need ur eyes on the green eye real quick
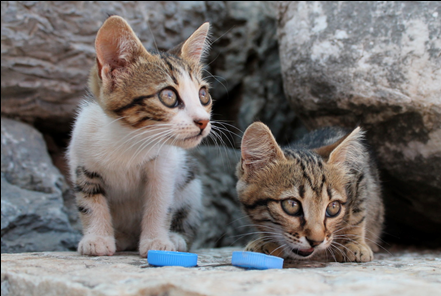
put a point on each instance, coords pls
(169, 98)
(204, 96)
(333, 209)
(292, 207)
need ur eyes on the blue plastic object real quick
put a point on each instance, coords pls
(168, 258)
(256, 260)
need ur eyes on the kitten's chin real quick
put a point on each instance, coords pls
(189, 142)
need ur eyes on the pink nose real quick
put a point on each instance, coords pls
(202, 123)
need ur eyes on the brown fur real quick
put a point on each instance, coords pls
(340, 172)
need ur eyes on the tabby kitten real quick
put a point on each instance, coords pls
(135, 185)
(319, 197)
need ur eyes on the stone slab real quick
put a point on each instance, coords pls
(68, 273)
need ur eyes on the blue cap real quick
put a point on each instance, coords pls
(168, 258)
(256, 260)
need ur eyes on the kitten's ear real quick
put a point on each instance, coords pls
(259, 148)
(116, 45)
(194, 48)
(348, 149)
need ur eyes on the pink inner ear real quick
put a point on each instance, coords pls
(193, 48)
(108, 50)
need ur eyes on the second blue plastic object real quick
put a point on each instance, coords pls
(256, 260)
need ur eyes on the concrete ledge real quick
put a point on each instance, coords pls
(68, 273)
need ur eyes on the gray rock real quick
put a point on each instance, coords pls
(246, 66)
(223, 224)
(403, 273)
(48, 49)
(376, 64)
(33, 216)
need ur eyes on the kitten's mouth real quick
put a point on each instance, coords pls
(303, 252)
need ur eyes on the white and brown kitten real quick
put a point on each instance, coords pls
(321, 196)
(136, 187)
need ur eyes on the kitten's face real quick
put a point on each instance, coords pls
(296, 198)
(162, 95)
(299, 204)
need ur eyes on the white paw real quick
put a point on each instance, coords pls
(178, 241)
(94, 245)
(160, 244)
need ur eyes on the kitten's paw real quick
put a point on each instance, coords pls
(268, 248)
(354, 252)
(155, 244)
(179, 241)
(94, 245)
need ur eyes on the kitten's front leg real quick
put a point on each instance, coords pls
(159, 197)
(98, 239)
(355, 248)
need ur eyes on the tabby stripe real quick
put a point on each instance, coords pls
(359, 222)
(360, 179)
(90, 175)
(259, 203)
(328, 189)
(178, 220)
(302, 221)
(145, 118)
(90, 189)
(134, 102)
(356, 210)
(302, 191)
(172, 69)
(267, 220)
(83, 210)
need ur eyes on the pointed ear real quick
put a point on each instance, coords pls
(259, 148)
(349, 149)
(116, 45)
(194, 48)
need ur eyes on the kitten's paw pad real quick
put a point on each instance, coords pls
(155, 244)
(179, 241)
(355, 252)
(94, 245)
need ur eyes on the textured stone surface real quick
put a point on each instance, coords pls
(67, 273)
(223, 223)
(48, 49)
(376, 64)
(33, 216)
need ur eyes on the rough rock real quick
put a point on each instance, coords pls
(223, 223)
(376, 64)
(245, 64)
(48, 49)
(67, 273)
(33, 216)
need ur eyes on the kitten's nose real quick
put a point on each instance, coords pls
(313, 243)
(202, 123)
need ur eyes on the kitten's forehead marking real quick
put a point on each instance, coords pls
(292, 192)
(189, 93)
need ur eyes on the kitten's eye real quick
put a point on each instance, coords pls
(169, 98)
(333, 209)
(292, 207)
(204, 96)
